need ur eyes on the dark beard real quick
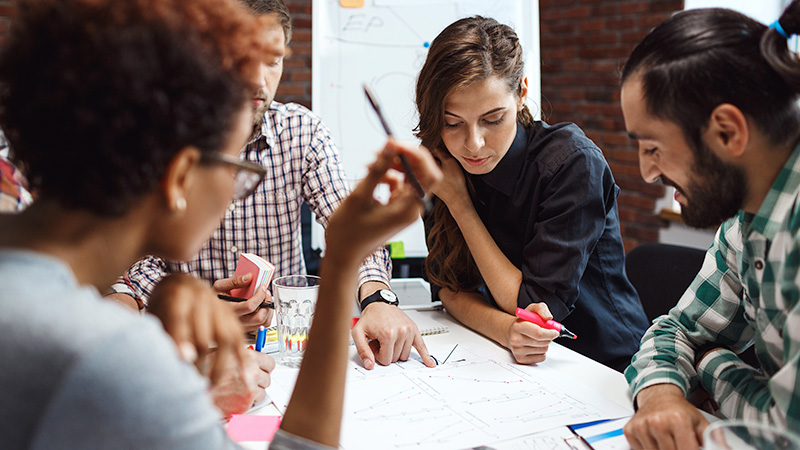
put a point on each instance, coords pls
(720, 194)
(258, 112)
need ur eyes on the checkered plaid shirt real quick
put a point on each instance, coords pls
(746, 293)
(302, 165)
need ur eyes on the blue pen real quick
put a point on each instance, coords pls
(261, 338)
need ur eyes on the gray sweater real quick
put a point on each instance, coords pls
(77, 371)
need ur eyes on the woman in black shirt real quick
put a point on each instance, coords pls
(527, 214)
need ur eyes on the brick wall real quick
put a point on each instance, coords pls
(584, 45)
(296, 82)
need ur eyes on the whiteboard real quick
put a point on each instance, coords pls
(384, 43)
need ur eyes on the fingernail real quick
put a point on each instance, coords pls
(247, 276)
(264, 287)
(367, 363)
(187, 352)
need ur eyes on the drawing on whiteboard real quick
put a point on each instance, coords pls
(384, 43)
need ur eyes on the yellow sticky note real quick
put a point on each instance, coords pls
(351, 3)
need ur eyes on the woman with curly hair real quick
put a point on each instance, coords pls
(130, 117)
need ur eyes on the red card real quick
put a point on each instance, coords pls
(261, 269)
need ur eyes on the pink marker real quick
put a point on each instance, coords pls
(532, 317)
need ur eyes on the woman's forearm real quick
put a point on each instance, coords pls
(501, 276)
(472, 310)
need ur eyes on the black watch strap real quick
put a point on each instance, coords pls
(383, 295)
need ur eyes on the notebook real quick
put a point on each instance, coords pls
(261, 269)
(427, 325)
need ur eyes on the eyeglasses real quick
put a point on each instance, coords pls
(248, 174)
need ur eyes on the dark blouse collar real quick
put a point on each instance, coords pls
(506, 172)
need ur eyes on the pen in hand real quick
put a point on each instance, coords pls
(231, 298)
(532, 317)
(423, 197)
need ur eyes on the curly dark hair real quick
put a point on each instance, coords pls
(97, 96)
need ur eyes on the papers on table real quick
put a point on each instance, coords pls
(467, 402)
(560, 438)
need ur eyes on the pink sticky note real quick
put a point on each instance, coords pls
(245, 427)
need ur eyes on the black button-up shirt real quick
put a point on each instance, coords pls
(550, 205)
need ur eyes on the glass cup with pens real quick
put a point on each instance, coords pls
(295, 299)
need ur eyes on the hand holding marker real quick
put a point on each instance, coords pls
(532, 317)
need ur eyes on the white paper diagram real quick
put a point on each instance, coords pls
(466, 402)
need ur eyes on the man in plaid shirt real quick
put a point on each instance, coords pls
(719, 120)
(302, 165)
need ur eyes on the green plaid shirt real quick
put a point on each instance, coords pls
(746, 293)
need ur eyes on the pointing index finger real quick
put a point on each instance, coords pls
(422, 349)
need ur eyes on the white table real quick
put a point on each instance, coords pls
(595, 376)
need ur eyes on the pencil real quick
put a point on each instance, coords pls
(231, 298)
(423, 198)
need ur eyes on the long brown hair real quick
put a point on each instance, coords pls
(468, 50)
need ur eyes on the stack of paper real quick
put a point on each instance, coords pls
(261, 269)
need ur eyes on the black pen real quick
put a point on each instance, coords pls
(423, 197)
(451, 352)
(231, 298)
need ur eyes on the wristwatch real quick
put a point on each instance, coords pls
(383, 295)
